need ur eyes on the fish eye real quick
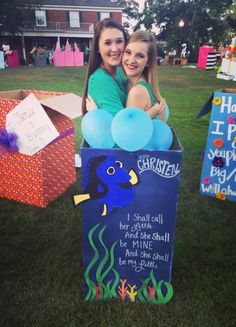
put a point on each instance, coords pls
(111, 170)
(119, 164)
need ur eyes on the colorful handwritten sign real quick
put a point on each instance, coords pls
(29, 121)
(219, 166)
(128, 248)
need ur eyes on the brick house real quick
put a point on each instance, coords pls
(59, 20)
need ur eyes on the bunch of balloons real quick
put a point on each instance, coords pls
(131, 129)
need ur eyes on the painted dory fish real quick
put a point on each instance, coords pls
(109, 183)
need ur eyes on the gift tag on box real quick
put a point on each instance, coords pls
(34, 129)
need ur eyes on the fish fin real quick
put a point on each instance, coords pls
(134, 178)
(78, 198)
(104, 213)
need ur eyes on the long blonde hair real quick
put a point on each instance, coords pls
(150, 71)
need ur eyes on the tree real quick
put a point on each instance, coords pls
(14, 12)
(130, 7)
(205, 21)
(131, 10)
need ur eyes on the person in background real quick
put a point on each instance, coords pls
(221, 49)
(32, 55)
(50, 57)
(41, 50)
(227, 52)
(47, 54)
(183, 51)
(5, 49)
(86, 54)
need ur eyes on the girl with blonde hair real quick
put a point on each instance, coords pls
(140, 66)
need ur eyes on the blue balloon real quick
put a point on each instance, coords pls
(131, 129)
(162, 136)
(96, 129)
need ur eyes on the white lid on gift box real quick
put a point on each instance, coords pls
(69, 104)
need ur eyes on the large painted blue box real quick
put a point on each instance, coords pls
(218, 177)
(129, 219)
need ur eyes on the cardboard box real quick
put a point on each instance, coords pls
(129, 230)
(184, 61)
(41, 178)
(218, 177)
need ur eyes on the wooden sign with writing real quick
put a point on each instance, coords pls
(219, 166)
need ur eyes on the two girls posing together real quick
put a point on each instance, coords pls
(113, 88)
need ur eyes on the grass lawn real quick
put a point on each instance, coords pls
(41, 249)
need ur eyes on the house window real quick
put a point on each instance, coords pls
(40, 17)
(104, 15)
(74, 19)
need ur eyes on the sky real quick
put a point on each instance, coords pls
(132, 21)
(141, 3)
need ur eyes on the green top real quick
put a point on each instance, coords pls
(150, 91)
(108, 92)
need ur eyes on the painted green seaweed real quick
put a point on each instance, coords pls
(142, 292)
(91, 289)
(151, 290)
(107, 290)
(159, 297)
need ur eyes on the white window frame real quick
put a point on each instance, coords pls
(74, 19)
(40, 18)
(104, 15)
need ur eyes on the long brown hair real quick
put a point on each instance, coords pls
(95, 59)
(149, 72)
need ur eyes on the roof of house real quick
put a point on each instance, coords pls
(86, 3)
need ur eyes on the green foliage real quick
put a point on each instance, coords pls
(130, 7)
(205, 21)
(13, 13)
(231, 17)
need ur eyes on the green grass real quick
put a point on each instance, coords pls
(41, 249)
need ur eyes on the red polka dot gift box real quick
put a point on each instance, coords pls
(40, 178)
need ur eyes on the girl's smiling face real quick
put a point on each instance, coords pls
(111, 47)
(135, 59)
